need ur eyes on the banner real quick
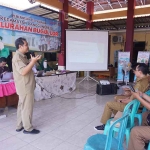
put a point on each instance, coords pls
(122, 58)
(143, 57)
(41, 33)
(116, 57)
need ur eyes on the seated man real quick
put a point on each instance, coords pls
(142, 84)
(141, 134)
(3, 67)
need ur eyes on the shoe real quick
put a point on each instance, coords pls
(18, 130)
(34, 131)
(101, 127)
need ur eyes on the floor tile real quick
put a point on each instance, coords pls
(28, 147)
(29, 137)
(67, 146)
(4, 135)
(12, 143)
(79, 139)
(48, 126)
(11, 129)
(65, 124)
(62, 132)
(6, 122)
(47, 142)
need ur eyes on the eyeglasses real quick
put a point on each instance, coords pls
(135, 70)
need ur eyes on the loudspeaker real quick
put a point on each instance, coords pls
(106, 89)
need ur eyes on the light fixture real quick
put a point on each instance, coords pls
(32, 1)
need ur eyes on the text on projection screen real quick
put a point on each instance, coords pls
(77, 56)
(85, 52)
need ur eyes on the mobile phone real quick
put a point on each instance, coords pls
(132, 88)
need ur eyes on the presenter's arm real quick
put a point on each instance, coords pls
(28, 68)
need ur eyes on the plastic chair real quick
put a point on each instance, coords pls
(148, 146)
(108, 142)
(133, 105)
(139, 115)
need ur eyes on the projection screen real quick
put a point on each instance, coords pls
(86, 50)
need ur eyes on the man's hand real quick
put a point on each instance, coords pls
(122, 100)
(119, 100)
(126, 89)
(137, 95)
(35, 59)
(29, 67)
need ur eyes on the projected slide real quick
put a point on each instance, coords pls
(85, 52)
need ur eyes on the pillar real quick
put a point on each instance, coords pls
(130, 28)
(63, 18)
(90, 11)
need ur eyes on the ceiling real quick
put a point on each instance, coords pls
(74, 23)
(42, 11)
(102, 5)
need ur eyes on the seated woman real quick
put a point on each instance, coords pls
(141, 134)
(3, 67)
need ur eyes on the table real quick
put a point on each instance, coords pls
(8, 96)
(50, 86)
(110, 73)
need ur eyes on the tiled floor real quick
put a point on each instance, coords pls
(65, 124)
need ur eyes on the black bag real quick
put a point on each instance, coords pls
(106, 89)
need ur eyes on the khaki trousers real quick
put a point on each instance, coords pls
(112, 107)
(25, 111)
(140, 135)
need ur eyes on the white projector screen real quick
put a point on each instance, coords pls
(86, 50)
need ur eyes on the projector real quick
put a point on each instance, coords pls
(104, 82)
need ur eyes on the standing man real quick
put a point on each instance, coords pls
(141, 134)
(25, 85)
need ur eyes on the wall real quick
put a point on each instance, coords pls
(138, 36)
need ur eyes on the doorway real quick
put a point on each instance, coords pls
(137, 46)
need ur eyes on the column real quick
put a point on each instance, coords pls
(63, 18)
(130, 28)
(90, 11)
(89, 23)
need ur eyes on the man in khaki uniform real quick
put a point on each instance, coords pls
(25, 85)
(142, 84)
(141, 134)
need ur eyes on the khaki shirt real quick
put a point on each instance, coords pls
(141, 84)
(24, 84)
